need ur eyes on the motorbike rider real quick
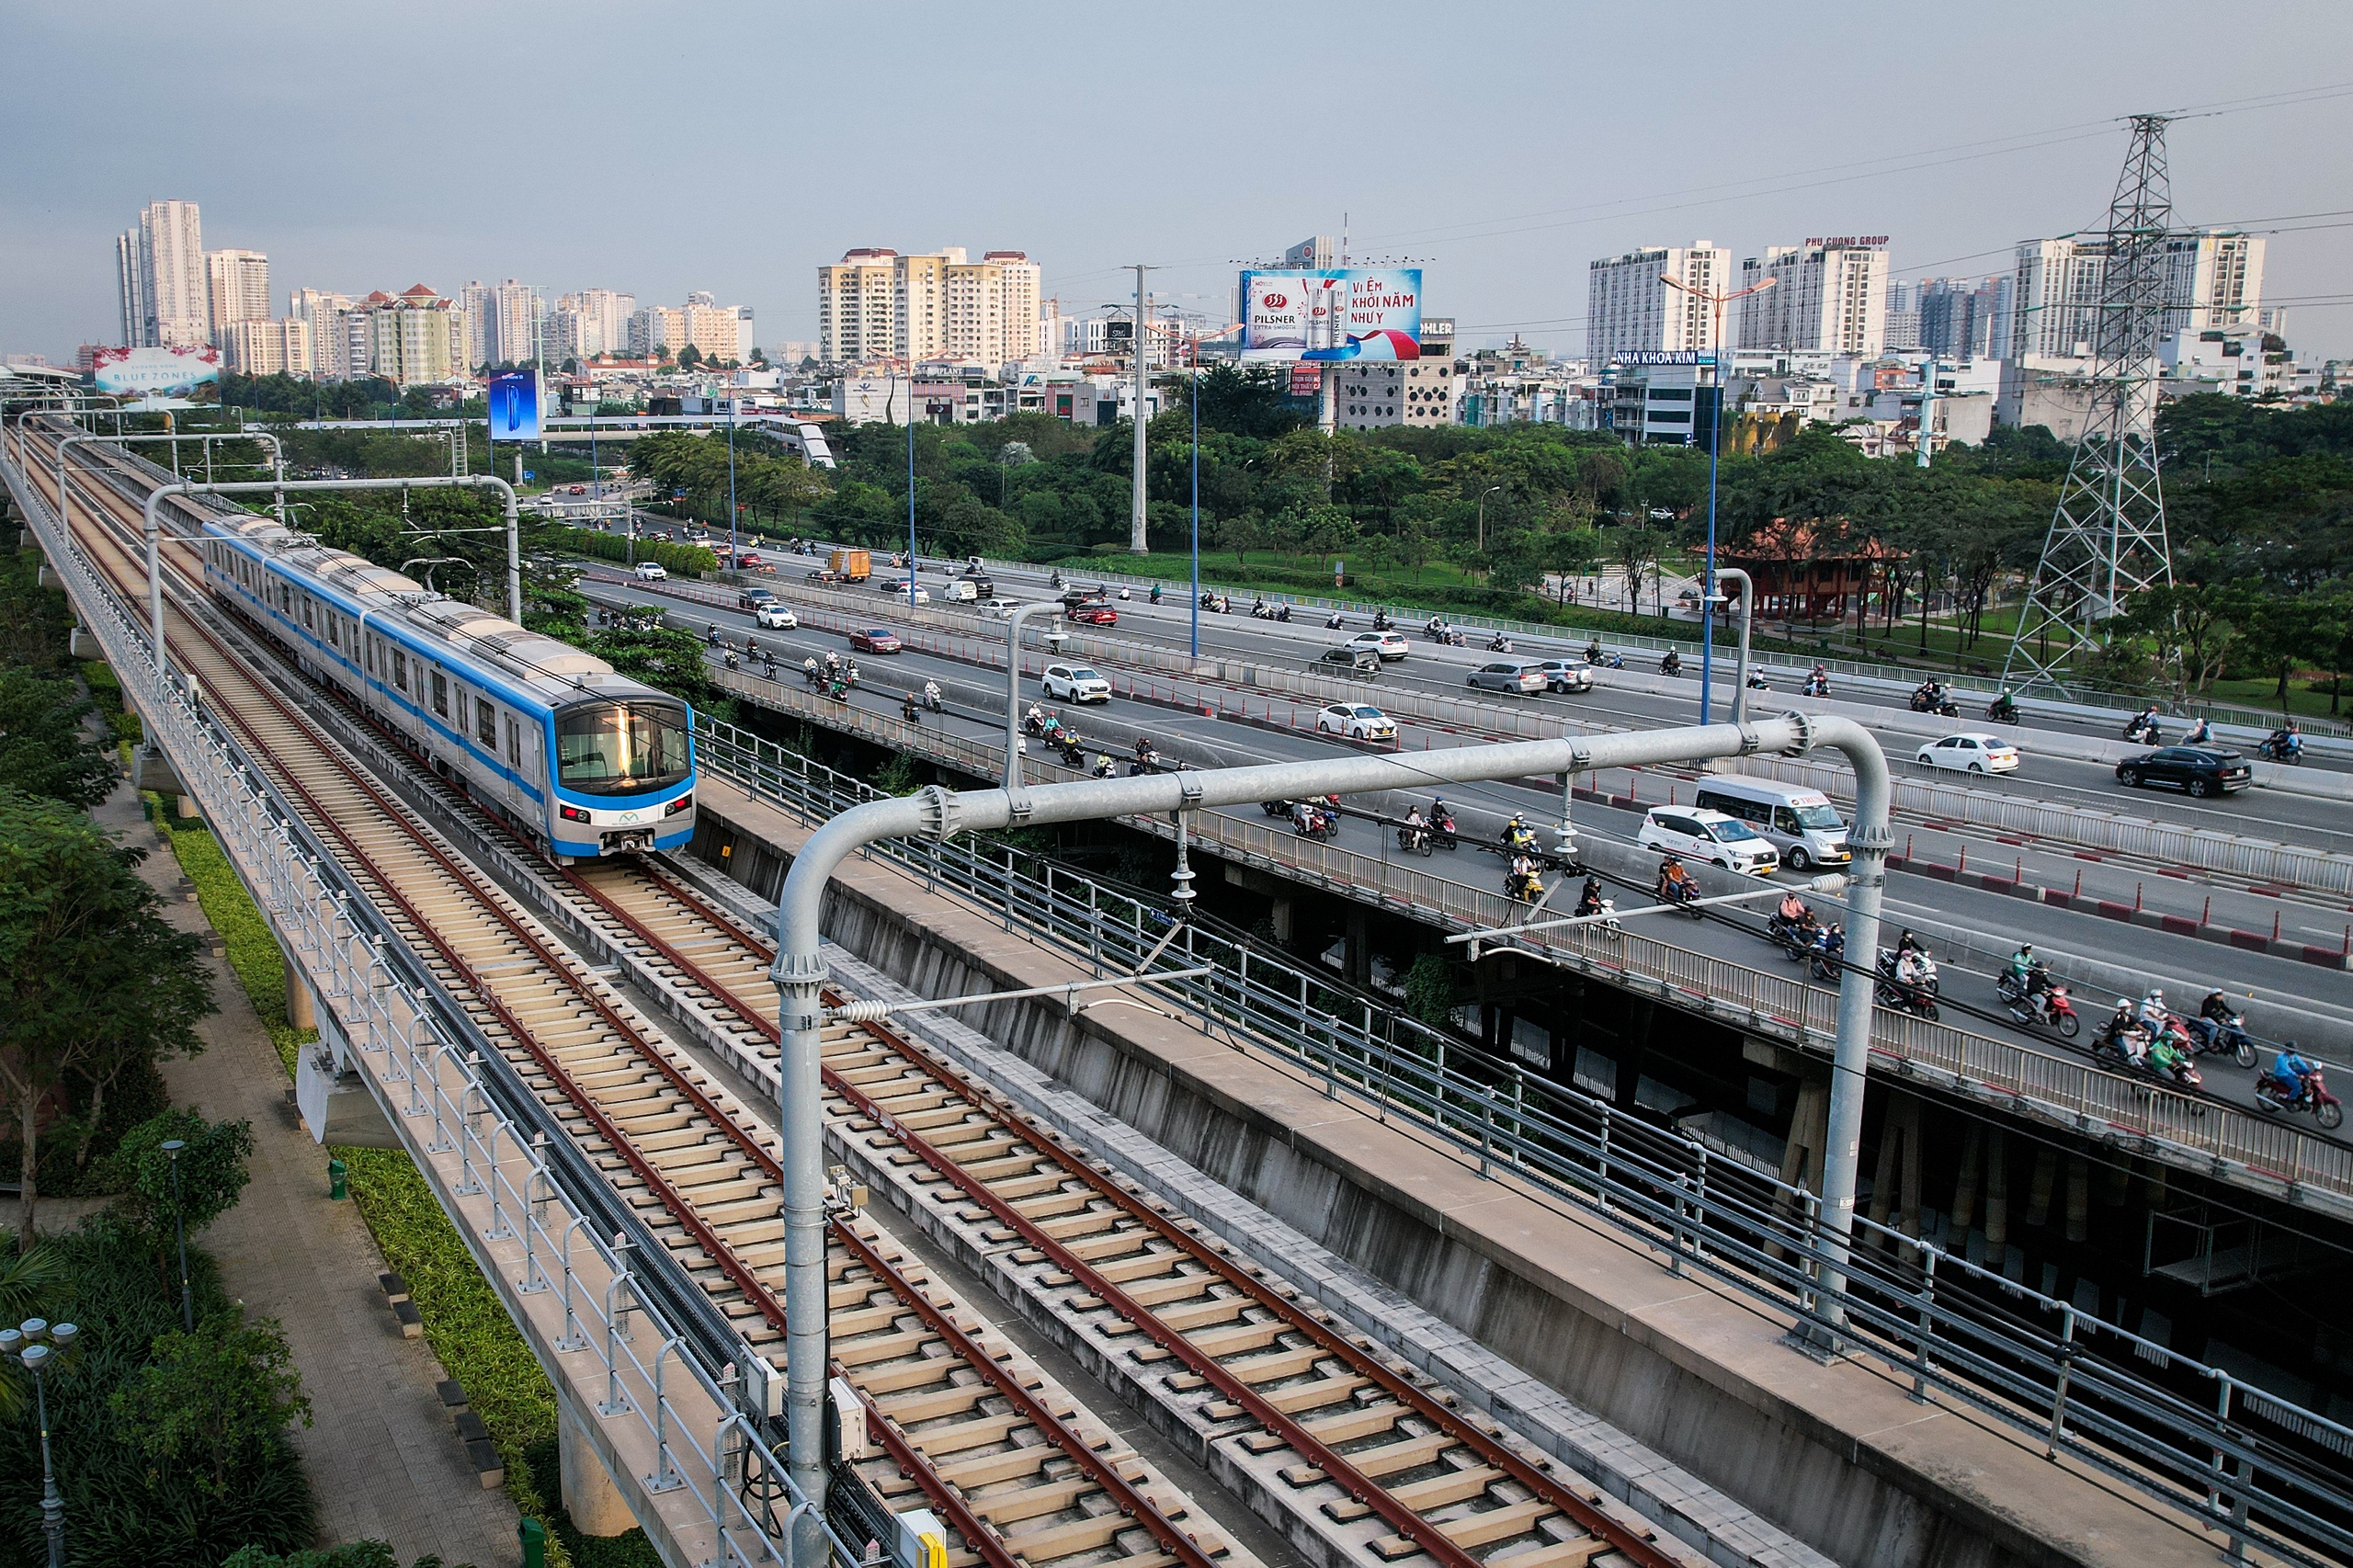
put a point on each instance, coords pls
(1283, 614)
(2291, 1071)
(1908, 944)
(2126, 1030)
(908, 708)
(1589, 899)
(1416, 830)
(1103, 766)
(1518, 835)
(1432, 627)
(808, 669)
(2286, 742)
(1143, 753)
(1915, 968)
(2201, 733)
(1593, 651)
(2028, 973)
(2170, 1060)
(931, 695)
(2153, 1011)
(1675, 883)
(1499, 643)
(1523, 883)
(1335, 623)
(1381, 620)
(1156, 593)
(1035, 720)
(2145, 722)
(1672, 664)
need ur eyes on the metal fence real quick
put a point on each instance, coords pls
(644, 1345)
(2065, 1090)
(2192, 1434)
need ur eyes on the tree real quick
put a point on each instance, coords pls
(1637, 552)
(46, 748)
(760, 357)
(215, 1401)
(1571, 552)
(2198, 622)
(1240, 535)
(212, 1171)
(88, 966)
(689, 356)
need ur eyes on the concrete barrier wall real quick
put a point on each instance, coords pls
(1848, 1500)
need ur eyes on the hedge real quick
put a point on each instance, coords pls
(464, 1322)
(687, 559)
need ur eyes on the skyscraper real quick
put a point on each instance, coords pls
(1631, 309)
(237, 285)
(160, 278)
(513, 333)
(1828, 295)
(877, 303)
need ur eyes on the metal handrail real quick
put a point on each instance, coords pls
(1997, 1345)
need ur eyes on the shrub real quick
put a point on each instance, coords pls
(685, 559)
(216, 1403)
(212, 1172)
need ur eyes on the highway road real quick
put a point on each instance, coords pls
(2287, 995)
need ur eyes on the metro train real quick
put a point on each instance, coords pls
(586, 761)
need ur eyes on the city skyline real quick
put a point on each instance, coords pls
(1504, 234)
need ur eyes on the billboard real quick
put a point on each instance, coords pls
(154, 375)
(515, 406)
(1366, 312)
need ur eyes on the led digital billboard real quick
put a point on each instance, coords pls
(1366, 312)
(515, 406)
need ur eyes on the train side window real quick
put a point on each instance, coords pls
(400, 669)
(513, 744)
(486, 721)
(369, 644)
(440, 693)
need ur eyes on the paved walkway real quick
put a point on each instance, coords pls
(382, 1457)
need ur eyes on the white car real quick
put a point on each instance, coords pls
(998, 610)
(774, 617)
(1700, 835)
(1388, 644)
(651, 570)
(1074, 682)
(1970, 753)
(1356, 721)
(898, 589)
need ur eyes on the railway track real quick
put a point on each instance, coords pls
(1008, 1460)
(1375, 1451)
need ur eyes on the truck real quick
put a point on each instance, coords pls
(851, 565)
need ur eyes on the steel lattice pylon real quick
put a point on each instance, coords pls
(2107, 536)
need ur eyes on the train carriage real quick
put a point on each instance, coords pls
(587, 762)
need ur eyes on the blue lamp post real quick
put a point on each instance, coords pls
(1708, 600)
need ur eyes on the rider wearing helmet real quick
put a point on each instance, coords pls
(2289, 1071)
(1589, 899)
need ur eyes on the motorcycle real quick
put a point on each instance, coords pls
(1670, 665)
(1442, 832)
(1156, 594)
(1928, 980)
(1828, 956)
(1938, 702)
(1794, 938)
(2049, 1008)
(1124, 594)
(2278, 749)
(2218, 1035)
(1757, 681)
(2144, 732)
(2326, 1108)
(1310, 822)
(2124, 1041)
(2002, 710)
(1499, 644)
(1524, 887)
(1915, 1000)
(1073, 752)
(1034, 722)
(1415, 840)
(932, 699)
(1683, 892)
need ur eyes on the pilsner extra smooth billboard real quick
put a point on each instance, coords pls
(1365, 313)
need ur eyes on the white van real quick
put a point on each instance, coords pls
(1800, 823)
(960, 590)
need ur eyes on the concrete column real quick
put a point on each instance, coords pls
(299, 1011)
(1279, 916)
(2079, 1200)
(2119, 1185)
(1964, 1188)
(1359, 953)
(1635, 1048)
(1997, 1188)
(184, 808)
(2038, 1196)
(589, 1495)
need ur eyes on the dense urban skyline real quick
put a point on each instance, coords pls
(1993, 143)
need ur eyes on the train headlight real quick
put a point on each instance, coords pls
(571, 813)
(680, 804)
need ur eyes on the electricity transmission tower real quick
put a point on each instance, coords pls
(2107, 537)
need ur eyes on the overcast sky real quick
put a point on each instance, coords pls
(736, 147)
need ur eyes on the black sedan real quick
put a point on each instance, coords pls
(2197, 769)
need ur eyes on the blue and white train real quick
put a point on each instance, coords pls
(586, 761)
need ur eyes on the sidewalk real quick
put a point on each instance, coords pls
(382, 1457)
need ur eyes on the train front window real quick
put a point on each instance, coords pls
(621, 749)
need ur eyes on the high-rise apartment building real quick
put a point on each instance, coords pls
(160, 278)
(327, 315)
(591, 322)
(1902, 317)
(2055, 287)
(237, 285)
(654, 329)
(475, 299)
(1965, 318)
(1629, 307)
(2213, 281)
(708, 329)
(1827, 296)
(415, 338)
(513, 335)
(877, 303)
(269, 347)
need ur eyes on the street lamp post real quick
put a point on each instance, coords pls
(173, 1146)
(1490, 490)
(1717, 300)
(36, 1345)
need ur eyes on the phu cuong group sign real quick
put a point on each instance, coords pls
(1366, 312)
